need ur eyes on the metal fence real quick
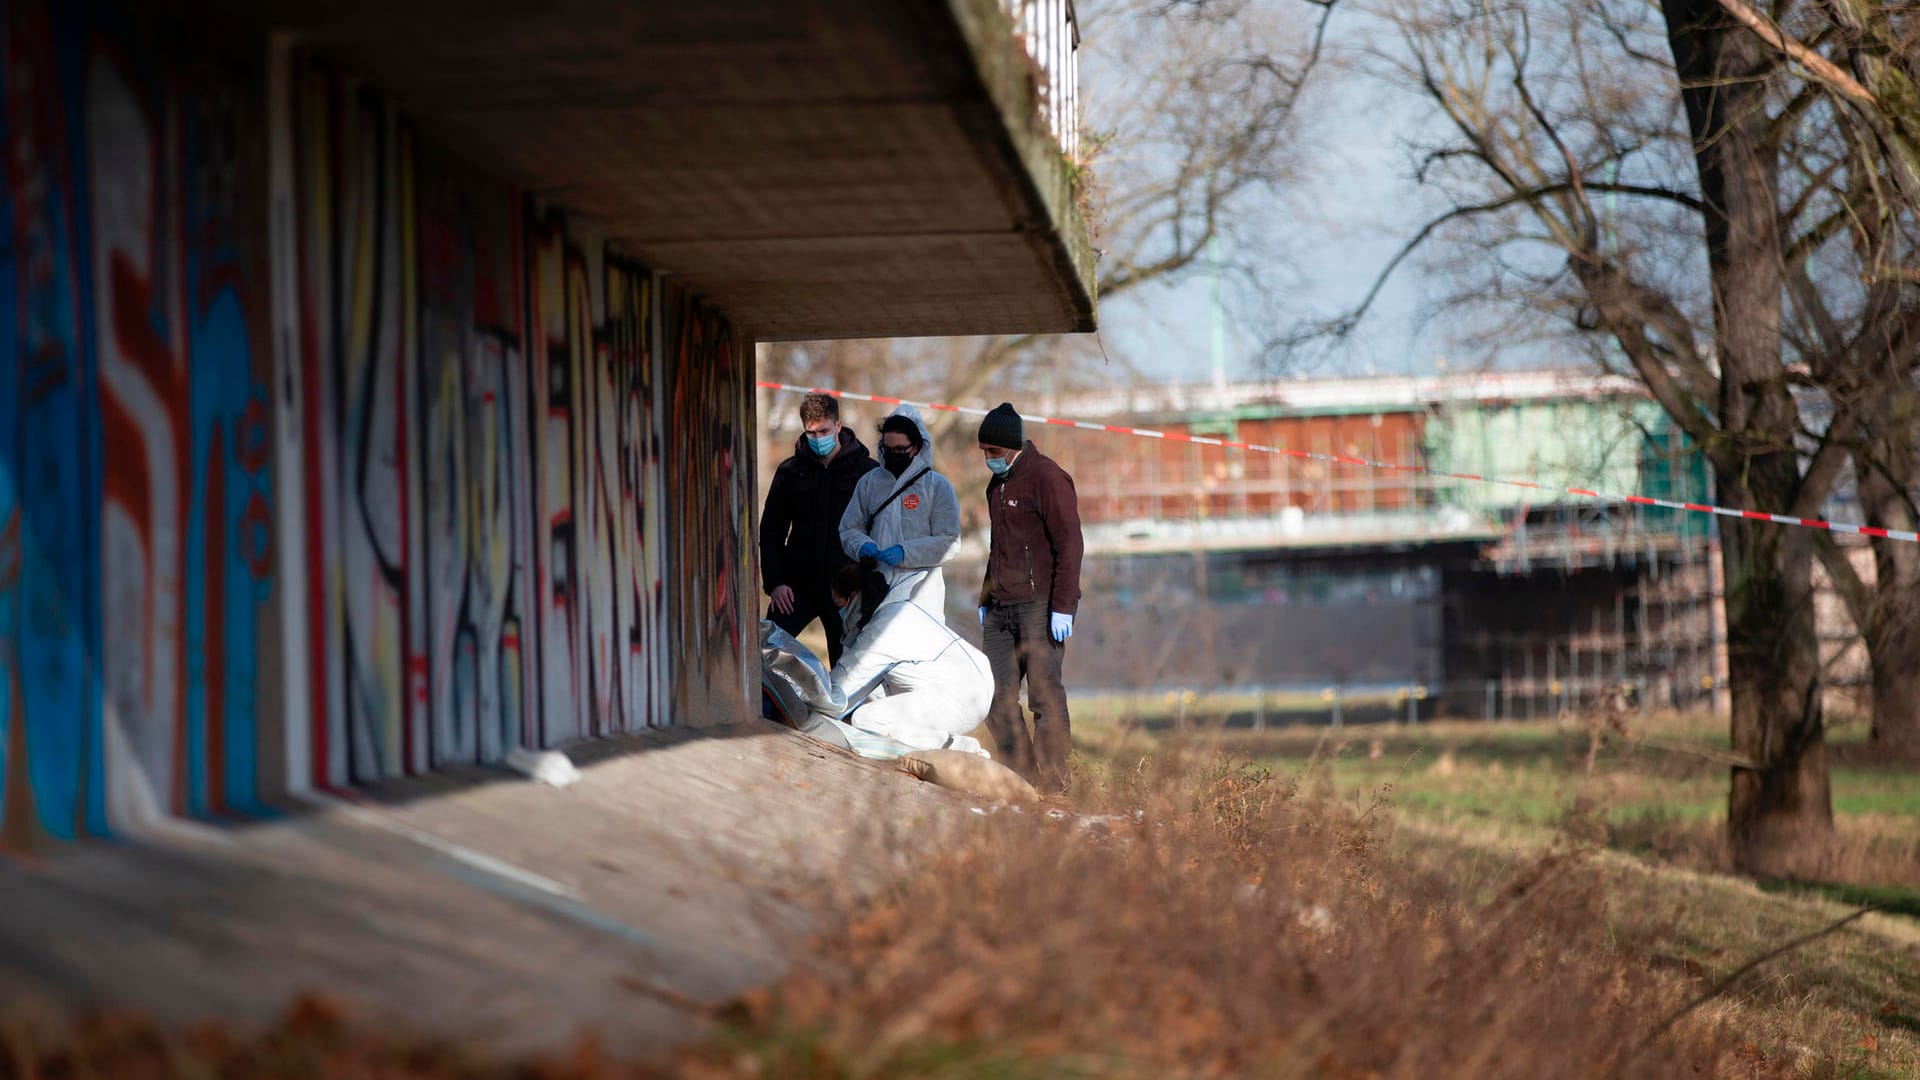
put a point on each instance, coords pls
(1051, 35)
(1490, 700)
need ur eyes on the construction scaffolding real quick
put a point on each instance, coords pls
(1643, 631)
(1541, 604)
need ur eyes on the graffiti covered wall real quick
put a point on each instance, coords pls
(492, 494)
(136, 548)
(487, 388)
(710, 466)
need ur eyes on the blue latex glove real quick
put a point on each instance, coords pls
(1062, 626)
(892, 556)
(983, 616)
(869, 550)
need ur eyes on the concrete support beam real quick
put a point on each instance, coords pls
(819, 168)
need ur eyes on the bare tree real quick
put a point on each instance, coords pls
(1630, 169)
(1854, 298)
(1859, 332)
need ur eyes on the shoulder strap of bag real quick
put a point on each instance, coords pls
(897, 492)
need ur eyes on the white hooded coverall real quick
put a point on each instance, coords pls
(924, 520)
(935, 685)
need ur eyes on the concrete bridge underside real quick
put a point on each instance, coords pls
(819, 168)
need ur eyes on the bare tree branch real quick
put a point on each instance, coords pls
(1846, 580)
(1823, 468)
(1818, 66)
(1227, 101)
(1348, 320)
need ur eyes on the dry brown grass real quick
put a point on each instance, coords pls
(1866, 849)
(314, 1039)
(1224, 921)
(1845, 1003)
(1245, 927)
(318, 1039)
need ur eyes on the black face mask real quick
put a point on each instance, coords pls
(897, 460)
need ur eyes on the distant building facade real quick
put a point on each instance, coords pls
(1217, 568)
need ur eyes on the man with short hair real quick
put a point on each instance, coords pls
(1028, 599)
(800, 527)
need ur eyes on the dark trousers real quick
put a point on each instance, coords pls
(806, 608)
(1019, 645)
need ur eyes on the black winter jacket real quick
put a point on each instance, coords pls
(800, 527)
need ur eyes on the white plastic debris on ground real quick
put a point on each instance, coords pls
(545, 766)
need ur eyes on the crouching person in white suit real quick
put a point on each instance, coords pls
(903, 673)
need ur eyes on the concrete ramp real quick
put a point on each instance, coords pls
(484, 908)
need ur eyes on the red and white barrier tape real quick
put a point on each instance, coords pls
(1342, 459)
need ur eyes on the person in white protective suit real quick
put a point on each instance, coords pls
(904, 674)
(905, 516)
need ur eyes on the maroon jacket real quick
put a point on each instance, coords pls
(1036, 546)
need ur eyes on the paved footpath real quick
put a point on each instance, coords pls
(479, 907)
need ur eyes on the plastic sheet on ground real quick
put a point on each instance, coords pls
(798, 690)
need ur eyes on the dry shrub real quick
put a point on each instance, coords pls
(313, 1039)
(317, 1038)
(1870, 849)
(1243, 927)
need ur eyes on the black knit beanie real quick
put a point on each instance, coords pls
(1002, 428)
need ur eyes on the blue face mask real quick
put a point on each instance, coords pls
(823, 445)
(999, 465)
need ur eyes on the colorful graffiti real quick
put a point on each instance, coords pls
(639, 577)
(557, 300)
(475, 511)
(355, 278)
(477, 398)
(50, 713)
(489, 516)
(603, 647)
(134, 479)
(709, 467)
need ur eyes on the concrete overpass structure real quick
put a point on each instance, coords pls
(376, 375)
(821, 168)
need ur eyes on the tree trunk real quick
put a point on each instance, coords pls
(1892, 628)
(1893, 655)
(1780, 810)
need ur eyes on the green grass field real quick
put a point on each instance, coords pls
(1528, 775)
